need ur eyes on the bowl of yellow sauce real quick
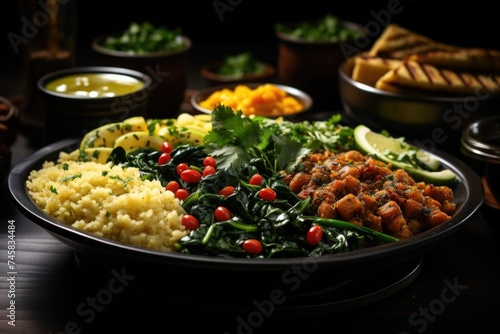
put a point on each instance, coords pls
(80, 99)
(92, 85)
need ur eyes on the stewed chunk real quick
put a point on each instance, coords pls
(365, 191)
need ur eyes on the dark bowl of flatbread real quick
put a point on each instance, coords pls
(412, 86)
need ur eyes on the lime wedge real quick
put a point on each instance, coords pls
(393, 150)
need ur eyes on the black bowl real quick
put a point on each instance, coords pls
(71, 115)
(434, 121)
(310, 285)
(468, 196)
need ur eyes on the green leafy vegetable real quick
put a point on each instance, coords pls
(71, 177)
(314, 135)
(244, 147)
(327, 28)
(241, 64)
(145, 38)
(125, 181)
(280, 225)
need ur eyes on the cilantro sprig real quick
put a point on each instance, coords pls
(235, 139)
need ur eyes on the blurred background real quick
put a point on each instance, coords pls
(217, 27)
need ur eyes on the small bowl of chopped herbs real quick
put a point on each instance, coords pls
(237, 68)
(157, 51)
(310, 53)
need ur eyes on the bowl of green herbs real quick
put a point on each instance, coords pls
(310, 53)
(237, 68)
(155, 50)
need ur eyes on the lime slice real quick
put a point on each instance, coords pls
(392, 150)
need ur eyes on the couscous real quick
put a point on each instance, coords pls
(109, 201)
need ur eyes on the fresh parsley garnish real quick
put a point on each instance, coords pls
(125, 182)
(71, 177)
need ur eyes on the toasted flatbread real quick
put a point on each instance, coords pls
(388, 87)
(397, 42)
(368, 69)
(469, 60)
(411, 74)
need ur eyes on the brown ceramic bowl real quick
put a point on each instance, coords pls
(432, 121)
(209, 73)
(312, 66)
(168, 69)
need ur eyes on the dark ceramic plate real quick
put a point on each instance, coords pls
(468, 195)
